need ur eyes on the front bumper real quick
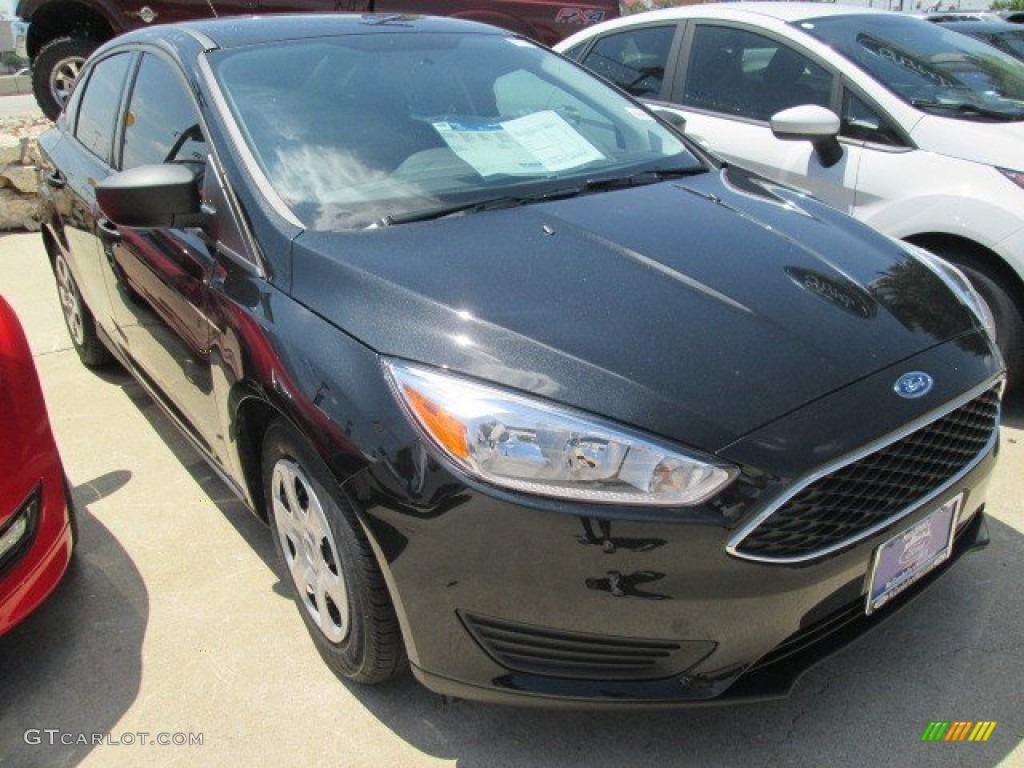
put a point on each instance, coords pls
(37, 568)
(502, 597)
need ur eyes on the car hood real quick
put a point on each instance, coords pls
(698, 309)
(999, 144)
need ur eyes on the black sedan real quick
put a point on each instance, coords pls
(1007, 37)
(533, 395)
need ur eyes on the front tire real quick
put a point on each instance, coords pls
(55, 71)
(1006, 313)
(339, 590)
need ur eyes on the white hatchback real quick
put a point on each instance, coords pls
(915, 129)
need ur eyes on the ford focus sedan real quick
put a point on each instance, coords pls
(536, 398)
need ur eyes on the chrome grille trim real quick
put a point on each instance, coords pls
(737, 539)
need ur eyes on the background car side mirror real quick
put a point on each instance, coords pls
(152, 196)
(812, 123)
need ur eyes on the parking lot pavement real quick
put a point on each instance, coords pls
(174, 623)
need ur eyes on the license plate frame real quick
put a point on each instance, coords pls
(912, 553)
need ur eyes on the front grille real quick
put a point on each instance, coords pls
(845, 504)
(556, 653)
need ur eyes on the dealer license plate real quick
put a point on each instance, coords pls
(909, 555)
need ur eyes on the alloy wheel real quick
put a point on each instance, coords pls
(310, 551)
(63, 77)
(70, 301)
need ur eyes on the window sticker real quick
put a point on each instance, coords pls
(535, 144)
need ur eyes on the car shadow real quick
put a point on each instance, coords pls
(84, 645)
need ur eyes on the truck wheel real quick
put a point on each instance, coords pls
(55, 71)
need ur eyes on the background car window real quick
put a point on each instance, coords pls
(928, 66)
(749, 75)
(162, 123)
(861, 122)
(634, 60)
(98, 112)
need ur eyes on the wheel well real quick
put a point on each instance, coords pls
(252, 419)
(975, 255)
(49, 243)
(60, 19)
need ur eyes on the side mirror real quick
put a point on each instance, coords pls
(812, 123)
(670, 116)
(152, 196)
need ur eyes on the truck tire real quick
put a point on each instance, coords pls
(56, 69)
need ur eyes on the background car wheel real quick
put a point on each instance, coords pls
(1008, 318)
(78, 318)
(339, 589)
(56, 69)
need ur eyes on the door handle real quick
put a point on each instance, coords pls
(108, 231)
(56, 180)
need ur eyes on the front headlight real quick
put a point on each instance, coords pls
(958, 283)
(529, 445)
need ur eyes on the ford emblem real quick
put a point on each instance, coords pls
(913, 384)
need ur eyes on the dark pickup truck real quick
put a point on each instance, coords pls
(62, 33)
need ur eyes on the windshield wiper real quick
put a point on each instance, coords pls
(490, 204)
(643, 177)
(965, 108)
(513, 201)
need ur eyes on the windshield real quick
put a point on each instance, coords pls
(935, 69)
(360, 129)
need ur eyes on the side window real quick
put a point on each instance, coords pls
(634, 60)
(97, 114)
(162, 124)
(861, 122)
(749, 75)
(574, 52)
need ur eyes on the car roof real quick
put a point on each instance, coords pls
(236, 31)
(781, 11)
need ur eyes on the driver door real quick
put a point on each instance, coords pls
(157, 279)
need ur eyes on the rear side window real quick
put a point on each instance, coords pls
(97, 114)
(635, 60)
(162, 124)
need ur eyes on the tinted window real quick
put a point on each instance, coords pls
(748, 75)
(932, 68)
(360, 129)
(161, 124)
(861, 122)
(634, 60)
(98, 112)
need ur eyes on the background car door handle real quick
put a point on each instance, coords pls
(108, 231)
(56, 180)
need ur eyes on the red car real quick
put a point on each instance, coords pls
(37, 529)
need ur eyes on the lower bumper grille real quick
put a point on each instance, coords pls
(555, 653)
(851, 501)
